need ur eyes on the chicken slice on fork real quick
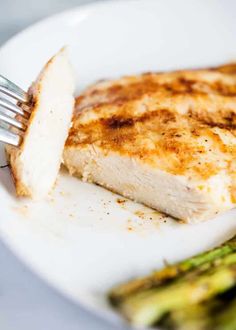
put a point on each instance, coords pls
(36, 162)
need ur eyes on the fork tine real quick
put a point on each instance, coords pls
(9, 137)
(11, 121)
(12, 107)
(10, 89)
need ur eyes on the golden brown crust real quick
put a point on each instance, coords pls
(182, 122)
(12, 154)
(175, 146)
(229, 68)
(219, 81)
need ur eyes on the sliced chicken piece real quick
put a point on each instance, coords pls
(35, 164)
(167, 140)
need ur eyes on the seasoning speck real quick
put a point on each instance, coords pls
(121, 201)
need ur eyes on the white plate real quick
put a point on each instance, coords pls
(80, 239)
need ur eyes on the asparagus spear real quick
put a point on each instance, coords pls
(227, 319)
(218, 314)
(193, 317)
(147, 307)
(171, 272)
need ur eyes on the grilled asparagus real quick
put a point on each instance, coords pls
(147, 307)
(184, 294)
(171, 272)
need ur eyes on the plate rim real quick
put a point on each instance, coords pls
(78, 8)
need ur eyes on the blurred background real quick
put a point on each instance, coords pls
(15, 15)
(26, 302)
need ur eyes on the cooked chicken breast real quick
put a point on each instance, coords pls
(35, 164)
(167, 140)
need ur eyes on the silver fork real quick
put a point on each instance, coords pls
(8, 111)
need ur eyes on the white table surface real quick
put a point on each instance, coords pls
(26, 302)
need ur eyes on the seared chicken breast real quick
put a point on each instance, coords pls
(167, 140)
(35, 164)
